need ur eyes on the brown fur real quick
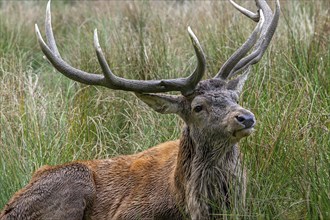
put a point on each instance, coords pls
(126, 187)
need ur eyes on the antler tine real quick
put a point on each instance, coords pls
(49, 31)
(267, 25)
(254, 16)
(240, 52)
(266, 35)
(198, 73)
(184, 85)
(246, 46)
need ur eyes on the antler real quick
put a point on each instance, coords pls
(108, 79)
(267, 23)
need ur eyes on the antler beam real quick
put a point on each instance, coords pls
(108, 79)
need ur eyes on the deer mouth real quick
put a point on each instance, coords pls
(244, 132)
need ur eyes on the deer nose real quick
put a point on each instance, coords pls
(247, 120)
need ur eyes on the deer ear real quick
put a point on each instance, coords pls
(165, 104)
(237, 84)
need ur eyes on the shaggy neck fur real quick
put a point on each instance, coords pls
(204, 174)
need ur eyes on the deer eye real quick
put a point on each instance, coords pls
(198, 108)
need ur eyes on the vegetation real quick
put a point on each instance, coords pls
(46, 118)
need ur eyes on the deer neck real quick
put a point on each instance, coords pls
(202, 173)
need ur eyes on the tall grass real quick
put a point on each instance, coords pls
(46, 118)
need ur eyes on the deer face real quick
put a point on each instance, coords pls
(215, 112)
(211, 112)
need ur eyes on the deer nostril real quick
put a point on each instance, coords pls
(247, 120)
(240, 118)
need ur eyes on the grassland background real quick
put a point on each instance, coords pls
(46, 118)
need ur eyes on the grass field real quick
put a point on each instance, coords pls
(46, 118)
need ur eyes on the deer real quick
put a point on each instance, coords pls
(196, 177)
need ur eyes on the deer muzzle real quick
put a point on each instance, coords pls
(243, 123)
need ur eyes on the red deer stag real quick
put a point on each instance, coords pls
(195, 177)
